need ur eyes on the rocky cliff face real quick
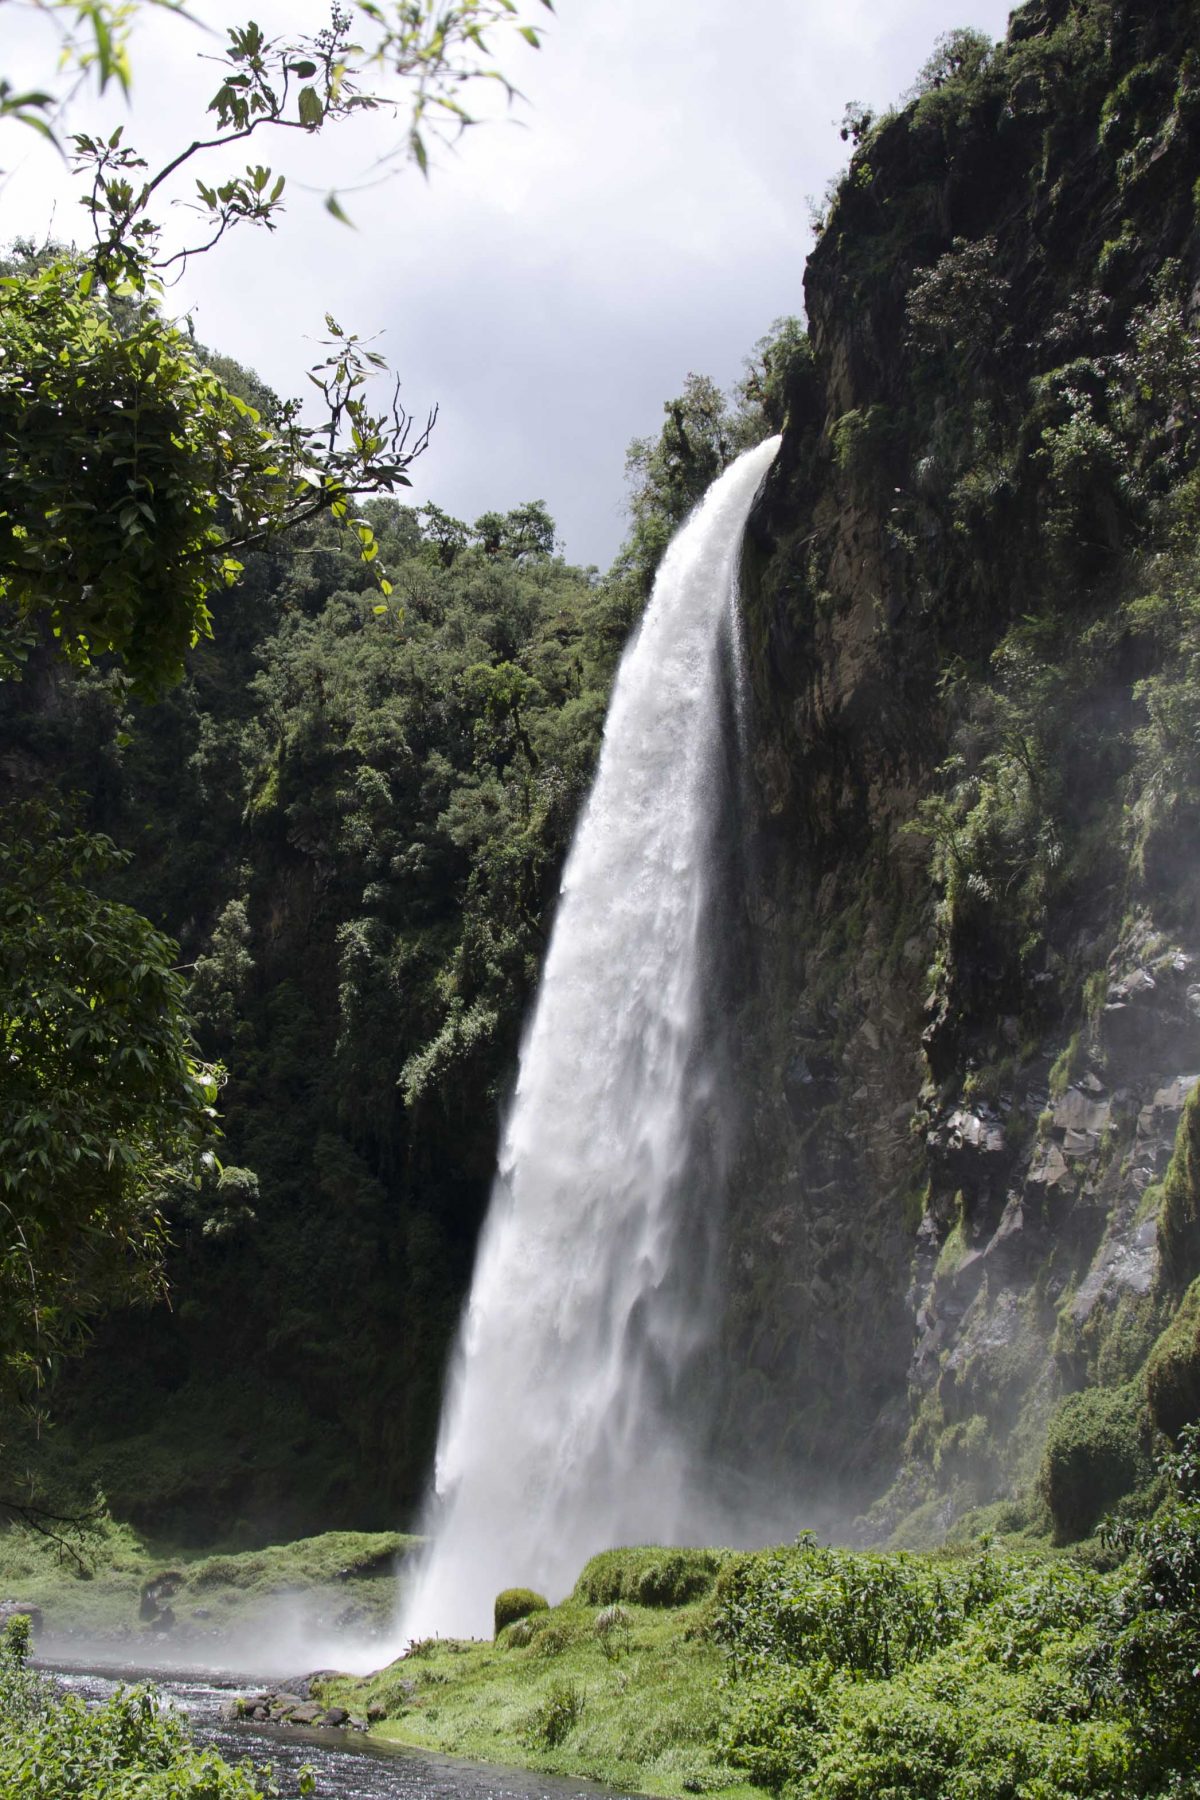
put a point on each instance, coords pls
(972, 611)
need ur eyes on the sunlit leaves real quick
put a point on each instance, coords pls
(134, 478)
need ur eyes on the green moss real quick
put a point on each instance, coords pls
(1063, 1067)
(1173, 1368)
(516, 1603)
(1179, 1218)
(648, 1576)
(914, 1206)
(1096, 1453)
(860, 439)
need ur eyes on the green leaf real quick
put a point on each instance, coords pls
(333, 205)
(311, 110)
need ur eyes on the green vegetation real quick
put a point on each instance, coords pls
(1179, 1213)
(816, 1672)
(118, 1585)
(516, 1603)
(104, 1107)
(649, 1576)
(634, 1701)
(1096, 1452)
(53, 1746)
(1173, 1368)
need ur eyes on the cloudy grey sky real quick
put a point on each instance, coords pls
(557, 278)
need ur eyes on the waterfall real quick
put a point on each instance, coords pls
(575, 1414)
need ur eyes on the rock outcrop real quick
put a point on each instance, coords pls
(977, 1020)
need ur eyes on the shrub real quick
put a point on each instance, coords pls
(1095, 1453)
(649, 1576)
(1156, 1653)
(18, 1639)
(612, 1628)
(1173, 1368)
(559, 1712)
(868, 1614)
(517, 1635)
(63, 1749)
(516, 1603)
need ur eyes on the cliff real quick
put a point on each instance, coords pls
(972, 609)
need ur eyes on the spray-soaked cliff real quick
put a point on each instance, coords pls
(974, 590)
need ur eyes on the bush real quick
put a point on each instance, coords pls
(558, 1713)
(649, 1576)
(54, 1747)
(1096, 1452)
(612, 1629)
(1173, 1368)
(516, 1636)
(17, 1640)
(1156, 1653)
(866, 1613)
(516, 1603)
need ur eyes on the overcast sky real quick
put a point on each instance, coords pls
(554, 282)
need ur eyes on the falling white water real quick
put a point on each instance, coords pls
(569, 1426)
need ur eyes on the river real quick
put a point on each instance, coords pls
(346, 1766)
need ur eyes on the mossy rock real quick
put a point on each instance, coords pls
(1173, 1368)
(516, 1603)
(649, 1575)
(1096, 1453)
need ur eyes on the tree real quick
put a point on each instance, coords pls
(134, 476)
(103, 1105)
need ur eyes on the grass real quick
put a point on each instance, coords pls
(639, 1707)
(342, 1581)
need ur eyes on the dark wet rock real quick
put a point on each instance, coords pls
(156, 1592)
(293, 1706)
(308, 1712)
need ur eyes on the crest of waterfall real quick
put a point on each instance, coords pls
(577, 1409)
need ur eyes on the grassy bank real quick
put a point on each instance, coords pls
(604, 1685)
(117, 1589)
(823, 1674)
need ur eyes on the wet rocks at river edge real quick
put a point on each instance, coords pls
(292, 1706)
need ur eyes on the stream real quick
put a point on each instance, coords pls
(346, 1766)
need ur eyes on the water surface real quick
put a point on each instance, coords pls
(346, 1766)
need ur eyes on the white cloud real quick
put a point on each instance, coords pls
(556, 280)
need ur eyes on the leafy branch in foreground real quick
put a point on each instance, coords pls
(417, 58)
(135, 478)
